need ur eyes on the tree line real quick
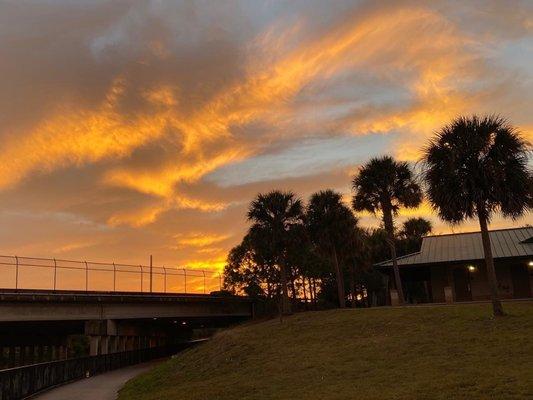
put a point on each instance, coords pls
(473, 167)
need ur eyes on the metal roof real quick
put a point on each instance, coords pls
(513, 242)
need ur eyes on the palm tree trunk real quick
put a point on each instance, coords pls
(314, 294)
(340, 280)
(497, 307)
(352, 284)
(294, 293)
(312, 290)
(285, 303)
(293, 289)
(389, 227)
(304, 292)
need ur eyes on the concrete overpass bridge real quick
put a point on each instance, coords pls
(39, 325)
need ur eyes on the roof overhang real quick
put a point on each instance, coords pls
(388, 263)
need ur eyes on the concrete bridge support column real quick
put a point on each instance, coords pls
(130, 343)
(113, 344)
(104, 344)
(94, 345)
(122, 343)
(61, 352)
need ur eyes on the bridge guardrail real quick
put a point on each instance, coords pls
(22, 382)
(61, 274)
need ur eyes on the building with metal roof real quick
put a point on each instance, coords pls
(451, 267)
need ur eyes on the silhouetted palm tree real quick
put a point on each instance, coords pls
(276, 213)
(416, 228)
(330, 225)
(474, 167)
(384, 185)
(411, 234)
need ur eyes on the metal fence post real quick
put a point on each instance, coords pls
(220, 281)
(114, 278)
(141, 267)
(185, 278)
(204, 279)
(55, 273)
(86, 276)
(165, 279)
(150, 273)
(17, 272)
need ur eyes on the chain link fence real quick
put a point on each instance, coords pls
(18, 272)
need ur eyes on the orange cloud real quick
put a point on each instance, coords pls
(199, 239)
(76, 137)
(148, 214)
(215, 264)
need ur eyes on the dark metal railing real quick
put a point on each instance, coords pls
(142, 278)
(22, 382)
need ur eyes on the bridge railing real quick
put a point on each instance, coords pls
(21, 382)
(18, 272)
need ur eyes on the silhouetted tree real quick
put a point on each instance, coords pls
(476, 166)
(331, 225)
(276, 213)
(384, 185)
(355, 256)
(304, 262)
(416, 228)
(249, 268)
(377, 243)
(411, 234)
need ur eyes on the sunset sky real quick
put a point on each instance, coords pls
(130, 128)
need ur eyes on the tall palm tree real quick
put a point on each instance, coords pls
(476, 166)
(277, 213)
(330, 225)
(385, 185)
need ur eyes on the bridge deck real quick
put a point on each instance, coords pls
(45, 305)
(38, 295)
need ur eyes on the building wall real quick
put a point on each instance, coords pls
(442, 274)
(479, 283)
(530, 271)
(438, 281)
(505, 283)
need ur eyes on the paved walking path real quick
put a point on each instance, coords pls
(99, 387)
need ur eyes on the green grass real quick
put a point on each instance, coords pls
(456, 352)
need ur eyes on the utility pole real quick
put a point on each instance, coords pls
(150, 273)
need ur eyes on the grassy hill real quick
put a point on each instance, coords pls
(455, 352)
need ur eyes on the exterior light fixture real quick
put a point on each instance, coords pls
(530, 264)
(155, 319)
(471, 268)
(183, 322)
